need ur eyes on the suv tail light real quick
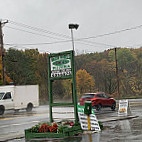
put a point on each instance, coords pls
(93, 100)
(81, 100)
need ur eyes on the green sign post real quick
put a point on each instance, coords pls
(61, 66)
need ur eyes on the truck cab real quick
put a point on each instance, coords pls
(6, 100)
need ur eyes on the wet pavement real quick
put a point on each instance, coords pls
(128, 130)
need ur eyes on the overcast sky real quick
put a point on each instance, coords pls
(95, 17)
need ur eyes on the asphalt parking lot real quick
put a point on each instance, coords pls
(116, 129)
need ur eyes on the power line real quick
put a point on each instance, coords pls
(38, 29)
(45, 31)
(30, 44)
(112, 33)
(61, 35)
(32, 32)
(65, 36)
(63, 41)
(57, 42)
(89, 43)
(80, 39)
(104, 44)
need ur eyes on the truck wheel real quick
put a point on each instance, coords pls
(2, 109)
(29, 107)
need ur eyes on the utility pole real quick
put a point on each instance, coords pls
(2, 51)
(117, 76)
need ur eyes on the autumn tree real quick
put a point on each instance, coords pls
(85, 82)
(104, 73)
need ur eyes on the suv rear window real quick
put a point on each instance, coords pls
(88, 96)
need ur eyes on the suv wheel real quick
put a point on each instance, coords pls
(113, 106)
(98, 107)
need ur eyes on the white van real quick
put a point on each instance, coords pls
(18, 97)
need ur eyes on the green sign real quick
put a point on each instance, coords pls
(60, 65)
(80, 109)
(83, 119)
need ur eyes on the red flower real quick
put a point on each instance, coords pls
(71, 124)
(44, 128)
(55, 125)
(53, 129)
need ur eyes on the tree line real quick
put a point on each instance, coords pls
(94, 72)
(102, 66)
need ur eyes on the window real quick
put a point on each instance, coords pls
(100, 95)
(105, 96)
(7, 96)
(1, 95)
(88, 96)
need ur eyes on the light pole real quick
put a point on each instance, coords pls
(73, 26)
(74, 91)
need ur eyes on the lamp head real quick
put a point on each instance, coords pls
(73, 26)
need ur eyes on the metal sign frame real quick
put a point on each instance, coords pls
(61, 66)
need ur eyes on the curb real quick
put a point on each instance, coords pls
(117, 118)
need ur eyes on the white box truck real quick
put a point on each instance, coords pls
(18, 97)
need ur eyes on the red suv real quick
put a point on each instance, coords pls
(98, 100)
